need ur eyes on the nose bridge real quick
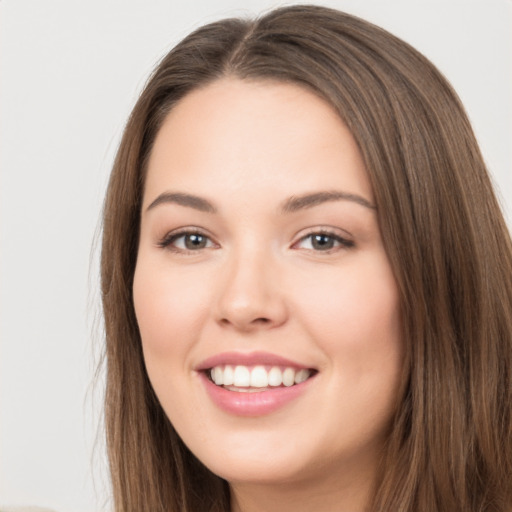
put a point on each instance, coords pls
(250, 294)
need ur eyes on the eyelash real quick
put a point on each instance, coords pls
(170, 239)
(343, 243)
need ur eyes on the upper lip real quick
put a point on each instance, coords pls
(249, 359)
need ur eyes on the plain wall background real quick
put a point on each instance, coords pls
(70, 72)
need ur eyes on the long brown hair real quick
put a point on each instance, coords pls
(450, 448)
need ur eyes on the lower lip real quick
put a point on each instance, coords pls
(258, 403)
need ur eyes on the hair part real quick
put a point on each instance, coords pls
(450, 447)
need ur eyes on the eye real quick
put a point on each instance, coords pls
(323, 242)
(185, 241)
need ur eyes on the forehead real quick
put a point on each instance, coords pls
(245, 135)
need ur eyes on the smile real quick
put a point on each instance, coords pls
(254, 384)
(258, 378)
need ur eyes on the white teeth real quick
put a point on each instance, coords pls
(229, 376)
(218, 375)
(242, 377)
(257, 377)
(289, 377)
(275, 377)
(301, 376)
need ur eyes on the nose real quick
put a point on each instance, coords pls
(251, 297)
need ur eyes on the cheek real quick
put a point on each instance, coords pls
(354, 315)
(170, 310)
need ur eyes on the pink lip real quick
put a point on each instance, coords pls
(252, 404)
(250, 359)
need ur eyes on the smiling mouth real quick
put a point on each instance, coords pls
(254, 379)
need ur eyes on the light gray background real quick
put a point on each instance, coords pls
(70, 72)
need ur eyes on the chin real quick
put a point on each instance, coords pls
(259, 470)
(268, 456)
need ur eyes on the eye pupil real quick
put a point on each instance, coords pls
(322, 242)
(195, 241)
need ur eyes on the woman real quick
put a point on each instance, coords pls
(306, 281)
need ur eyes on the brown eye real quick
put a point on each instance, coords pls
(323, 242)
(186, 241)
(195, 241)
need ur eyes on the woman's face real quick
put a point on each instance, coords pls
(261, 265)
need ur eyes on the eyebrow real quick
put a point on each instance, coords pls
(296, 203)
(291, 205)
(189, 200)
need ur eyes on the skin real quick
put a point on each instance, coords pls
(259, 284)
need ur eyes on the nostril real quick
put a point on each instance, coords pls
(261, 321)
